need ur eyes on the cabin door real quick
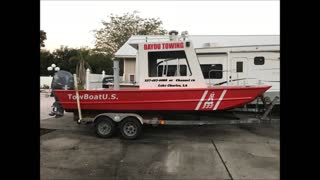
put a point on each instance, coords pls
(239, 71)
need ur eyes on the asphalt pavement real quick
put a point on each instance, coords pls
(73, 151)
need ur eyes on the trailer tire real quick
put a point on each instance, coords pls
(104, 127)
(130, 128)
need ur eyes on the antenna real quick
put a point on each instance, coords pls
(184, 35)
(173, 35)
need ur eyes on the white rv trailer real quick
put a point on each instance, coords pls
(241, 65)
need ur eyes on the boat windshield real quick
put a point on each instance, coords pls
(168, 63)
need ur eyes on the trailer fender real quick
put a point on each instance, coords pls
(118, 117)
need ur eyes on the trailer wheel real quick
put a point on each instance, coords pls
(130, 128)
(104, 127)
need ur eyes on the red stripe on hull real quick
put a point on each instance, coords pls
(160, 99)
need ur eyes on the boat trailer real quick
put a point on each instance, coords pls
(130, 124)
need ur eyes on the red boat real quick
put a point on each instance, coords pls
(193, 99)
(170, 78)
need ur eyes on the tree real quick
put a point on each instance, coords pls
(43, 37)
(66, 58)
(75, 61)
(100, 62)
(81, 68)
(46, 59)
(120, 28)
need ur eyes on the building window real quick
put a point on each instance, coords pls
(239, 66)
(131, 77)
(212, 71)
(168, 63)
(259, 60)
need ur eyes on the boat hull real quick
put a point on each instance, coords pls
(191, 99)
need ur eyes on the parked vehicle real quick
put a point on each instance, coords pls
(106, 81)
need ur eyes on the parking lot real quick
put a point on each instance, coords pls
(72, 151)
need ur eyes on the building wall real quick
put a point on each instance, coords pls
(129, 68)
(45, 81)
(95, 81)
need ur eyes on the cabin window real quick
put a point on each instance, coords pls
(212, 71)
(239, 66)
(172, 70)
(168, 63)
(259, 60)
(160, 70)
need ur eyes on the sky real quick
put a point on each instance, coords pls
(71, 23)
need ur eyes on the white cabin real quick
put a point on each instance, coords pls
(246, 62)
